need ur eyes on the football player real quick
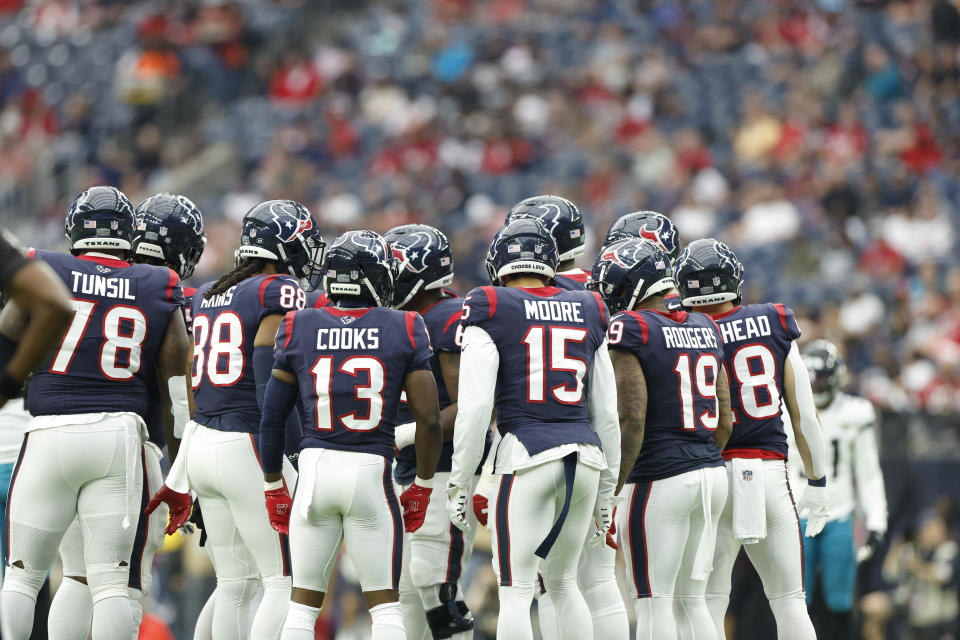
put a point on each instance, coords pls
(539, 353)
(849, 428)
(430, 593)
(169, 233)
(350, 361)
(674, 407)
(658, 229)
(596, 576)
(89, 402)
(761, 354)
(564, 221)
(235, 320)
(39, 293)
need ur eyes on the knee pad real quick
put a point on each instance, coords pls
(451, 617)
(237, 591)
(107, 581)
(24, 581)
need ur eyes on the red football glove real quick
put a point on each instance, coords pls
(278, 509)
(414, 501)
(480, 506)
(179, 504)
(611, 540)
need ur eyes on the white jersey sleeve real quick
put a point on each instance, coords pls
(602, 409)
(479, 364)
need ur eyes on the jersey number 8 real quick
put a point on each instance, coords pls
(124, 330)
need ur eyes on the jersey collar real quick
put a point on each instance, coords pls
(543, 292)
(678, 315)
(357, 312)
(103, 259)
(717, 316)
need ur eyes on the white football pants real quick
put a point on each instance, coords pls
(778, 559)
(668, 528)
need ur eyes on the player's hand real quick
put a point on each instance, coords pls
(870, 547)
(414, 502)
(603, 514)
(814, 507)
(481, 507)
(457, 498)
(179, 504)
(278, 508)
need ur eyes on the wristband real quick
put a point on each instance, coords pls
(819, 482)
(10, 387)
(426, 484)
(273, 486)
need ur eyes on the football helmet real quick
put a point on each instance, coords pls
(826, 369)
(284, 231)
(170, 228)
(100, 218)
(523, 245)
(424, 260)
(648, 225)
(561, 218)
(708, 272)
(360, 264)
(630, 271)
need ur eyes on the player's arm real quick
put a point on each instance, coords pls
(279, 401)
(450, 369)
(631, 408)
(176, 394)
(798, 398)
(725, 422)
(480, 362)
(38, 314)
(869, 478)
(422, 401)
(602, 412)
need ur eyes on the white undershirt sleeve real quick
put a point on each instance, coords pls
(809, 423)
(479, 365)
(602, 411)
(869, 478)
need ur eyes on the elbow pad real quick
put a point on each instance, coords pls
(278, 400)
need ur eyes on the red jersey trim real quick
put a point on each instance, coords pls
(264, 284)
(337, 311)
(543, 292)
(114, 263)
(491, 299)
(783, 316)
(189, 292)
(717, 316)
(321, 301)
(411, 316)
(676, 316)
(578, 275)
(288, 327)
(174, 279)
(752, 454)
(643, 325)
(452, 320)
(603, 307)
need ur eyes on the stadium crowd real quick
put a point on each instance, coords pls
(817, 139)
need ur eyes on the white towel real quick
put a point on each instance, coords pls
(703, 560)
(749, 500)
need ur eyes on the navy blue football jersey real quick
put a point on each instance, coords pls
(681, 355)
(106, 360)
(442, 321)
(224, 329)
(547, 338)
(351, 365)
(317, 298)
(573, 280)
(756, 341)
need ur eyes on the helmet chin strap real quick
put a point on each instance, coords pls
(413, 292)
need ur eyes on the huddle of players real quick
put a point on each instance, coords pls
(322, 375)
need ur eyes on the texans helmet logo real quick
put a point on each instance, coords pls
(412, 250)
(612, 255)
(290, 219)
(652, 236)
(728, 258)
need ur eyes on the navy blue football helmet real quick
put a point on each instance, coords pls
(522, 246)
(708, 272)
(648, 225)
(284, 231)
(630, 271)
(360, 264)
(827, 371)
(170, 229)
(424, 260)
(100, 218)
(561, 218)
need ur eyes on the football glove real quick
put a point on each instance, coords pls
(279, 505)
(870, 547)
(414, 502)
(179, 504)
(481, 507)
(457, 497)
(814, 507)
(603, 514)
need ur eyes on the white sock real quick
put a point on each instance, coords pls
(273, 608)
(300, 622)
(387, 622)
(71, 612)
(113, 618)
(17, 622)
